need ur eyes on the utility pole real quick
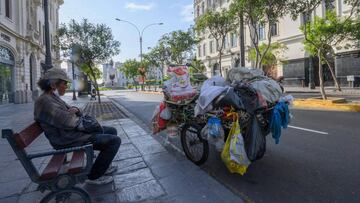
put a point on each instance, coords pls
(242, 41)
(48, 62)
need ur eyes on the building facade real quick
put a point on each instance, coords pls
(113, 77)
(22, 47)
(294, 62)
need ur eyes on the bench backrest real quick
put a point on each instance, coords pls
(19, 141)
(28, 135)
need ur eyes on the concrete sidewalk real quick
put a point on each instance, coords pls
(328, 90)
(147, 171)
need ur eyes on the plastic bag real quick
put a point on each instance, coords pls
(255, 142)
(172, 130)
(217, 141)
(178, 87)
(166, 114)
(237, 147)
(214, 127)
(158, 123)
(232, 166)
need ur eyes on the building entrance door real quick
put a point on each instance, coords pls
(5, 84)
(7, 63)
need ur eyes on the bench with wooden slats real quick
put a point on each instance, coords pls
(79, 163)
(53, 167)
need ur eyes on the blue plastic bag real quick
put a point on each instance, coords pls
(214, 127)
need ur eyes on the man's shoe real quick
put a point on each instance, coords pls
(111, 170)
(100, 181)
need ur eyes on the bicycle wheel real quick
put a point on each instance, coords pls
(73, 194)
(195, 147)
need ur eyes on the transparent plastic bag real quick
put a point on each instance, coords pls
(165, 114)
(218, 141)
(214, 127)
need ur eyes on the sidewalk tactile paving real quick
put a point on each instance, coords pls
(103, 111)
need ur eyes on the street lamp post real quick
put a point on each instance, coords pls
(141, 33)
(73, 77)
(48, 62)
(74, 57)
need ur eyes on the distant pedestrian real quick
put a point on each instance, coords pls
(93, 94)
(62, 125)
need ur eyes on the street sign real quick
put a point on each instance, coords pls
(350, 78)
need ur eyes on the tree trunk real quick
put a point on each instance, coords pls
(321, 77)
(95, 82)
(220, 53)
(242, 40)
(333, 75)
(135, 83)
(262, 56)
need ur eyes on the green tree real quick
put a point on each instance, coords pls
(159, 56)
(94, 44)
(197, 71)
(305, 8)
(324, 34)
(219, 24)
(271, 57)
(131, 70)
(177, 45)
(258, 13)
(197, 66)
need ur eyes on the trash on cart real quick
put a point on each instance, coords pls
(233, 154)
(178, 87)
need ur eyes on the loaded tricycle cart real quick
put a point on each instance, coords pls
(235, 114)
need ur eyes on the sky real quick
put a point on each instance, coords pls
(175, 14)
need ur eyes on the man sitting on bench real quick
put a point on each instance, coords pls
(63, 128)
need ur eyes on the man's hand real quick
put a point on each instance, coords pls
(74, 110)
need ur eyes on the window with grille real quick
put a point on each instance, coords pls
(274, 29)
(204, 49)
(233, 40)
(261, 32)
(212, 46)
(8, 7)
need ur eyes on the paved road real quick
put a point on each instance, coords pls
(317, 159)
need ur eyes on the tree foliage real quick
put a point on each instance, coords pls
(94, 44)
(258, 13)
(272, 56)
(131, 68)
(325, 34)
(219, 24)
(197, 66)
(176, 46)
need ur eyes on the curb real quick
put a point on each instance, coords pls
(150, 92)
(326, 105)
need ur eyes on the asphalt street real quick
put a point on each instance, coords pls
(317, 159)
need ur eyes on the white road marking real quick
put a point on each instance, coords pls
(309, 130)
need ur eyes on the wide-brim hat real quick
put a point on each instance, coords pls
(56, 73)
